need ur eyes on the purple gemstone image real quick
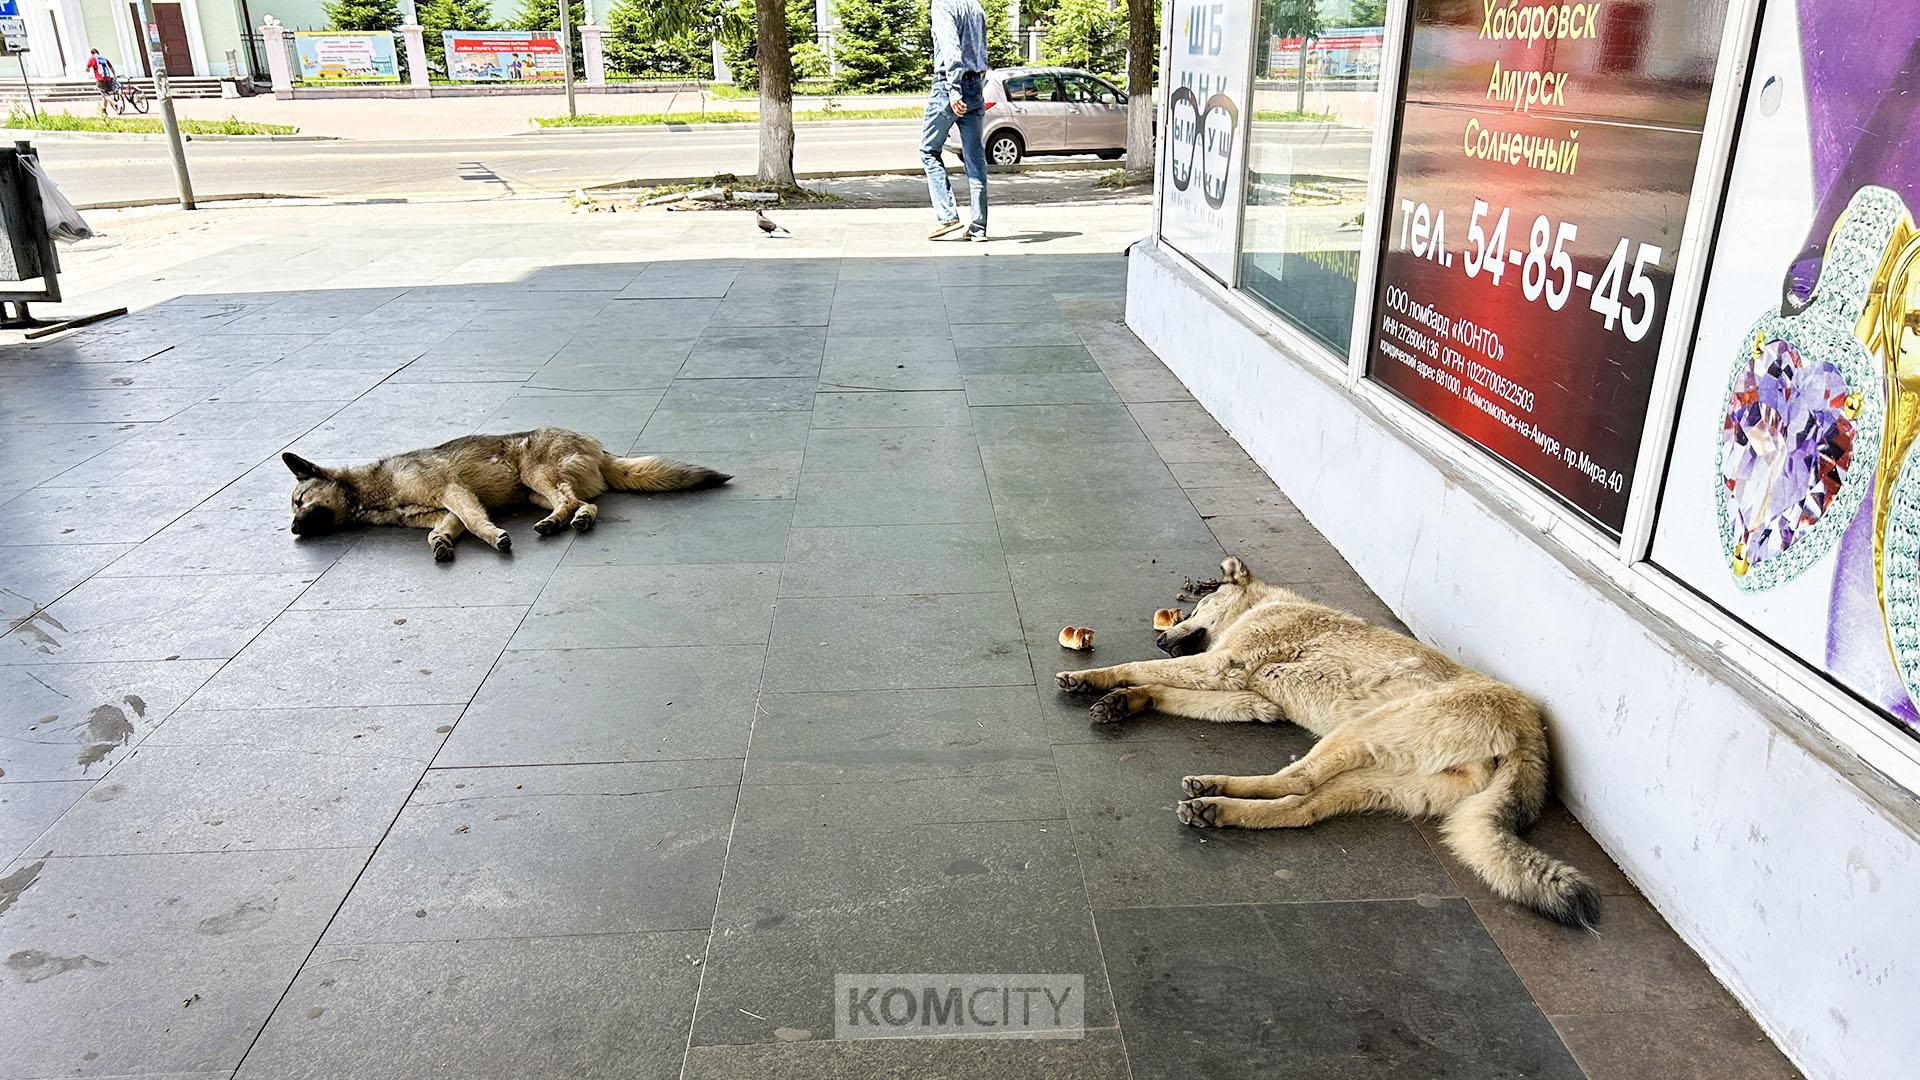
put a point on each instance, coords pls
(1785, 447)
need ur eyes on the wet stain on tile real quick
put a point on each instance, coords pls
(248, 915)
(18, 882)
(35, 966)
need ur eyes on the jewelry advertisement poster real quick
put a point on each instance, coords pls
(1792, 497)
(1206, 165)
(1544, 163)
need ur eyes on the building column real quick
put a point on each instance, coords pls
(274, 39)
(592, 54)
(416, 45)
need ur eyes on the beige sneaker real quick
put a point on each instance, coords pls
(977, 237)
(942, 228)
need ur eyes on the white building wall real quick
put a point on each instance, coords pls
(1793, 872)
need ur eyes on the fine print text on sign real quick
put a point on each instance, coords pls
(1542, 177)
(980, 1006)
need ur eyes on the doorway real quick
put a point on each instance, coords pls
(173, 33)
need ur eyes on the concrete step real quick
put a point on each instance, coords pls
(84, 90)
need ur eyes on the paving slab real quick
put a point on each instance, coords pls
(609, 1006)
(562, 849)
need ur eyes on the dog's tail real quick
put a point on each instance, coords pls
(652, 473)
(1483, 831)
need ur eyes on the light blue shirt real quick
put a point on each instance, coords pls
(959, 42)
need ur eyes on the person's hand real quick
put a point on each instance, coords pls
(959, 108)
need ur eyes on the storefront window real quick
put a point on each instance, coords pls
(1307, 161)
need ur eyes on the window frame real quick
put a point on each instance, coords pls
(1624, 562)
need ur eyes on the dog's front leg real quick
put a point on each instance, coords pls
(1204, 671)
(465, 505)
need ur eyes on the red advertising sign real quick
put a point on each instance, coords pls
(1544, 163)
(504, 55)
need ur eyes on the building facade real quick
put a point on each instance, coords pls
(204, 38)
(1586, 335)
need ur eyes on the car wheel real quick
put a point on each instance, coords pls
(1004, 149)
(1109, 155)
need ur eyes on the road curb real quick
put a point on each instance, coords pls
(855, 174)
(35, 134)
(585, 129)
(244, 196)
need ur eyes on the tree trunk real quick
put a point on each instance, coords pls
(1300, 92)
(1143, 48)
(776, 91)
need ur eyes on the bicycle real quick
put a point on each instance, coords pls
(122, 96)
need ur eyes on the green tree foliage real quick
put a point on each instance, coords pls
(883, 45)
(1085, 34)
(635, 47)
(1292, 18)
(439, 16)
(1366, 13)
(364, 14)
(1001, 51)
(545, 15)
(738, 42)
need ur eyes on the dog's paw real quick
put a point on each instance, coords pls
(442, 549)
(1072, 683)
(504, 545)
(1196, 787)
(1199, 813)
(548, 526)
(1113, 708)
(583, 520)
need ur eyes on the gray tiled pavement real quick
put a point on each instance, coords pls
(621, 804)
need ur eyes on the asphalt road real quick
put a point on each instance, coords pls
(119, 171)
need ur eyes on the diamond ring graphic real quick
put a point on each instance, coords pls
(1801, 428)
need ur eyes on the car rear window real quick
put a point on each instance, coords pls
(1033, 88)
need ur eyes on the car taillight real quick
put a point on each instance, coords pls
(990, 105)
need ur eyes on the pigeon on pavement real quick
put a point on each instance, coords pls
(767, 225)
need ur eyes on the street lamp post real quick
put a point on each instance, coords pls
(157, 54)
(566, 51)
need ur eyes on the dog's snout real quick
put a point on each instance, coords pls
(313, 522)
(1182, 642)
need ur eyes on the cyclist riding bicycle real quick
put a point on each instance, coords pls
(101, 69)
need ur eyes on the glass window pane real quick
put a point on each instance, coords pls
(1046, 88)
(1307, 167)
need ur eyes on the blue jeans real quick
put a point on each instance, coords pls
(934, 136)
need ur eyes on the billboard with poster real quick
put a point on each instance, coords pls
(1792, 495)
(327, 57)
(1542, 174)
(504, 56)
(1205, 162)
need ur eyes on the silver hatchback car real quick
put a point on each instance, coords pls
(1049, 110)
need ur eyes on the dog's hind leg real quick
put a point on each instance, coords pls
(467, 507)
(1203, 671)
(1349, 794)
(557, 497)
(1226, 706)
(445, 532)
(1329, 758)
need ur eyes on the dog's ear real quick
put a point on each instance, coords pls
(301, 467)
(1234, 572)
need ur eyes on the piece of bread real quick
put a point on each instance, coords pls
(1077, 638)
(1167, 618)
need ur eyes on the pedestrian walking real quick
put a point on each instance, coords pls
(958, 97)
